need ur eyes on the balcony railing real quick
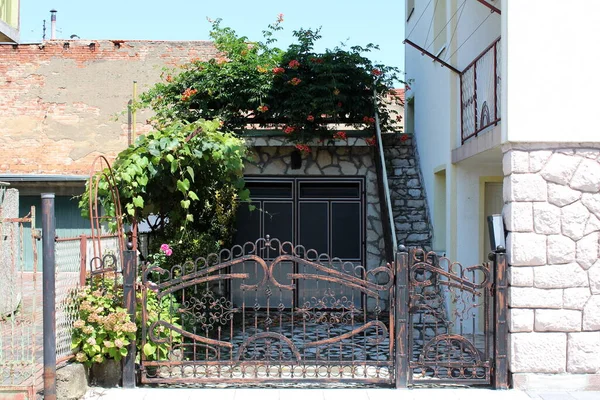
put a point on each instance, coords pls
(480, 92)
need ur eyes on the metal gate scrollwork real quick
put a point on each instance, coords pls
(294, 315)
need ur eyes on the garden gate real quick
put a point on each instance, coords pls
(423, 320)
(278, 327)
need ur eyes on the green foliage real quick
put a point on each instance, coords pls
(302, 91)
(183, 172)
(104, 330)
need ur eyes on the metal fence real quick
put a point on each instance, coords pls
(20, 302)
(480, 92)
(73, 257)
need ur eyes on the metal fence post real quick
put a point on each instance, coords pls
(500, 314)
(129, 274)
(49, 292)
(401, 339)
(82, 259)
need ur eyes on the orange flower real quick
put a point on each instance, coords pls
(295, 81)
(294, 64)
(376, 72)
(371, 141)
(336, 92)
(404, 138)
(169, 78)
(262, 70)
(368, 120)
(278, 70)
(288, 130)
(310, 118)
(303, 148)
(188, 93)
(263, 108)
(340, 135)
(280, 18)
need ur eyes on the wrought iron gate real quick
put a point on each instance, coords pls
(455, 323)
(297, 316)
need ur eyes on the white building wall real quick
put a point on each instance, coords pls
(551, 59)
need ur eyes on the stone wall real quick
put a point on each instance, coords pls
(64, 102)
(409, 204)
(352, 158)
(552, 214)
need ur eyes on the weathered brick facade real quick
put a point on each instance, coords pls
(64, 102)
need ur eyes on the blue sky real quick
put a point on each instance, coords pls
(357, 22)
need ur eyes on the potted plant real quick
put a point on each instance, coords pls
(102, 332)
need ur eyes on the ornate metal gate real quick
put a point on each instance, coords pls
(297, 316)
(456, 328)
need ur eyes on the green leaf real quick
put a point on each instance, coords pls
(123, 351)
(189, 218)
(185, 204)
(183, 186)
(170, 158)
(193, 196)
(149, 349)
(190, 171)
(138, 201)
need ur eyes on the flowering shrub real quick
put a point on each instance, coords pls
(103, 329)
(303, 92)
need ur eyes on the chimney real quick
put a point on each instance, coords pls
(52, 24)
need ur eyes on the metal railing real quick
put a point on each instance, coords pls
(387, 217)
(480, 92)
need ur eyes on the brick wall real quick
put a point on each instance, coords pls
(553, 218)
(64, 102)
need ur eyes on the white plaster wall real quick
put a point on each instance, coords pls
(437, 109)
(469, 240)
(551, 58)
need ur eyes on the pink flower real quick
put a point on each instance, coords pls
(168, 252)
(164, 247)
(294, 64)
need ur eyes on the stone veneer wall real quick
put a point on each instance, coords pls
(552, 215)
(409, 204)
(271, 157)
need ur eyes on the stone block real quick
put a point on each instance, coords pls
(583, 352)
(587, 176)
(537, 159)
(518, 216)
(594, 276)
(575, 298)
(71, 381)
(520, 276)
(538, 352)
(525, 187)
(515, 161)
(557, 320)
(573, 220)
(561, 249)
(546, 218)
(560, 168)
(561, 195)
(591, 314)
(592, 203)
(592, 225)
(520, 319)
(587, 250)
(526, 249)
(559, 276)
(525, 297)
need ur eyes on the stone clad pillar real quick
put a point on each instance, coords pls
(552, 215)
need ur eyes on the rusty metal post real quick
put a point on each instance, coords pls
(501, 313)
(401, 339)
(82, 259)
(49, 291)
(129, 273)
